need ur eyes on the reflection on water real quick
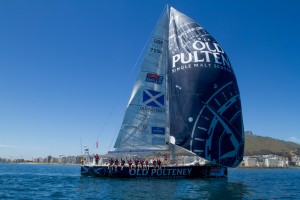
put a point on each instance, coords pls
(211, 189)
(163, 189)
(223, 189)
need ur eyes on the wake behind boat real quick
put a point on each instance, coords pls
(184, 110)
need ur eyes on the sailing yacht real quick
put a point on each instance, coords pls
(184, 116)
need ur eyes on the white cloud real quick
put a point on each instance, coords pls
(7, 146)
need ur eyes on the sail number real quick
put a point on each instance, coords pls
(155, 50)
(158, 41)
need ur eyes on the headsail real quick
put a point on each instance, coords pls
(145, 122)
(205, 105)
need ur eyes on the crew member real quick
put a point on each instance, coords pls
(136, 162)
(166, 159)
(122, 163)
(142, 163)
(154, 163)
(97, 159)
(116, 164)
(159, 163)
(147, 164)
(129, 163)
(111, 163)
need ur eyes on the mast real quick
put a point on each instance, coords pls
(167, 79)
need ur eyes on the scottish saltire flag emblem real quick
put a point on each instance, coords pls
(153, 98)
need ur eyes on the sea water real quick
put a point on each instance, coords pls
(29, 181)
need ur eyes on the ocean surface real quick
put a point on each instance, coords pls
(29, 181)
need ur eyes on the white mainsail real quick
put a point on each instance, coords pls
(145, 122)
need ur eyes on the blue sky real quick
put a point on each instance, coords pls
(67, 67)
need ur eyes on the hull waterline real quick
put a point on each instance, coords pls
(169, 172)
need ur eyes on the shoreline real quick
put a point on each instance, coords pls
(78, 164)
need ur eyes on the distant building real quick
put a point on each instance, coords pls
(265, 161)
(54, 160)
(248, 133)
(273, 162)
(250, 161)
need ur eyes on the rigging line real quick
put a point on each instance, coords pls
(81, 145)
(111, 111)
(105, 123)
(143, 52)
(114, 139)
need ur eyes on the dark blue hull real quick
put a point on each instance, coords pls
(169, 172)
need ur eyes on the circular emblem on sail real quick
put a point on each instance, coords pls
(219, 132)
(143, 127)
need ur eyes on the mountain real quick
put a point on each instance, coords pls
(258, 145)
